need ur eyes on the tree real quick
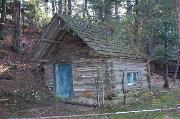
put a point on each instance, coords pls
(85, 8)
(3, 17)
(53, 7)
(69, 7)
(65, 7)
(177, 4)
(117, 9)
(136, 22)
(159, 30)
(36, 13)
(107, 9)
(60, 7)
(129, 6)
(16, 20)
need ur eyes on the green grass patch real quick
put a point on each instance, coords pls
(163, 100)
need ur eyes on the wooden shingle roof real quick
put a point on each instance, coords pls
(101, 40)
(97, 38)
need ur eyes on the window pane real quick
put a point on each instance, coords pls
(132, 78)
(135, 77)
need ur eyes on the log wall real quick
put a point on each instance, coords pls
(119, 69)
(88, 78)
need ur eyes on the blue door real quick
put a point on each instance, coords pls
(63, 83)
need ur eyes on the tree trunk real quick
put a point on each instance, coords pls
(3, 12)
(65, 7)
(129, 6)
(117, 9)
(23, 19)
(53, 7)
(69, 7)
(3, 15)
(60, 7)
(178, 40)
(149, 74)
(166, 84)
(85, 8)
(16, 20)
(100, 13)
(136, 25)
(107, 9)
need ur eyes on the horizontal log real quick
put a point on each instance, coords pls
(85, 60)
(86, 70)
(86, 80)
(88, 94)
(85, 94)
(40, 60)
(88, 76)
(50, 41)
(81, 90)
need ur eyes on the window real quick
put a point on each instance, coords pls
(132, 78)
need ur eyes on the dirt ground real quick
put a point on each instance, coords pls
(53, 108)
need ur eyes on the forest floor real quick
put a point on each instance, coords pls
(56, 108)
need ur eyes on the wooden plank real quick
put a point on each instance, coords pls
(82, 80)
(51, 34)
(85, 94)
(54, 46)
(50, 41)
(84, 86)
(87, 83)
(86, 90)
(41, 60)
(86, 69)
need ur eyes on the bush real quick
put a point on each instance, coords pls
(19, 100)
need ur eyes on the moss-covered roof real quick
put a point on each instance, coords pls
(98, 38)
(101, 40)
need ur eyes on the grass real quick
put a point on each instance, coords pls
(163, 100)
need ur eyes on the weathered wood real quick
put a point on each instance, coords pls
(50, 41)
(90, 94)
(59, 39)
(40, 60)
(82, 89)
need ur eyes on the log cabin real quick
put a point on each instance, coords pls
(85, 65)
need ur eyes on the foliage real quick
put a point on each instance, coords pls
(158, 23)
(20, 96)
(35, 13)
(160, 53)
